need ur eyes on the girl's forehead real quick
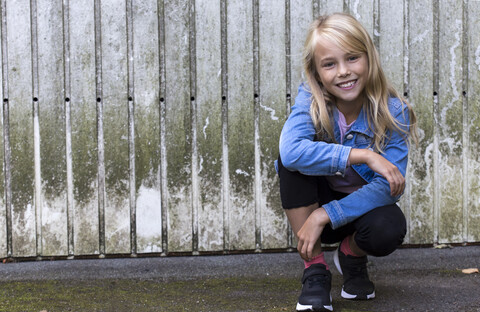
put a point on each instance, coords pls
(325, 45)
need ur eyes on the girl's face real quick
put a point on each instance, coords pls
(343, 74)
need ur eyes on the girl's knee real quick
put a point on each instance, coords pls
(381, 238)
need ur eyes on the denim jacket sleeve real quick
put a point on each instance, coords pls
(299, 151)
(377, 192)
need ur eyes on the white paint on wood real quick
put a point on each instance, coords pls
(219, 187)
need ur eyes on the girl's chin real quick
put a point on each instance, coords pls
(348, 100)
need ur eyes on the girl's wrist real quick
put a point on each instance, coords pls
(321, 216)
(359, 156)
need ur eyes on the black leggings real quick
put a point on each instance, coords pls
(378, 232)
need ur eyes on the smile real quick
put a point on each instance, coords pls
(347, 85)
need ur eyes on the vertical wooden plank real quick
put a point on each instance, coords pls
(450, 148)
(115, 126)
(240, 125)
(21, 128)
(52, 128)
(3, 213)
(420, 90)
(331, 6)
(147, 127)
(391, 42)
(209, 124)
(36, 128)
(300, 17)
(84, 129)
(363, 11)
(225, 158)
(132, 200)
(163, 131)
(192, 47)
(272, 115)
(473, 121)
(178, 126)
(68, 127)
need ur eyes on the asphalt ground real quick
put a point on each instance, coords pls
(416, 279)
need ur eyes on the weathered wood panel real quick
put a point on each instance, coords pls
(84, 127)
(178, 126)
(208, 99)
(390, 45)
(152, 127)
(472, 122)
(51, 120)
(364, 12)
(3, 208)
(391, 41)
(147, 127)
(420, 90)
(272, 113)
(20, 103)
(301, 16)
(241, 154)
(329, 7)
(115, 126)
(449, 118)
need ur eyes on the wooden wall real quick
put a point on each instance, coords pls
(133, 127)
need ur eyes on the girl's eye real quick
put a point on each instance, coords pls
(327, 65)
(353, 58)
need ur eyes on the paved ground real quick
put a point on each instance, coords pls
(408, 280)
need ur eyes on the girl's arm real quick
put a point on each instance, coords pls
(299, 151)
(386, 185)
(380, 165)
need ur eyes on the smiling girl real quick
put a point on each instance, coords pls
(343, 158)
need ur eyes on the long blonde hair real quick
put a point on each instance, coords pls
(347, 33)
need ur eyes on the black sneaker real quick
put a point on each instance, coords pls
(356, 284)
(315, 296)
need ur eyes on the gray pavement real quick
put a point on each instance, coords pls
(423, 279)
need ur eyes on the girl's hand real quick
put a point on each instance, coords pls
(310, 232)
(382, 166)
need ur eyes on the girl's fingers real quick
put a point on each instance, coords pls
(299, 248)
(304, 252)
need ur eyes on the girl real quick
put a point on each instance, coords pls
(343, 157)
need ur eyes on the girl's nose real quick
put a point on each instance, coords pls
(343, 71)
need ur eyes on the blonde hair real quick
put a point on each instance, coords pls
(347, 33)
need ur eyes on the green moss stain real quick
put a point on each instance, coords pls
(225, 294)
(84, 151)
(21, 142)
(178, 124)
(147, 146)
(116, 147)
(241, 159)
(22, 177)
(230, 294)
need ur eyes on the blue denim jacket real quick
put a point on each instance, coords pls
(299, 152)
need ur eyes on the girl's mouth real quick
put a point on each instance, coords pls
(347, 85)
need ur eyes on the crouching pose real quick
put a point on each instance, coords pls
(343, 157)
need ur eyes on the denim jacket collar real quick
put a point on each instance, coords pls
(360, 125)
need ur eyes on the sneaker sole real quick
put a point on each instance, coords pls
(301, 307)
(346, 295)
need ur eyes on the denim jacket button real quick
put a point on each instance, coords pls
(350, 136)
(338, 173)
